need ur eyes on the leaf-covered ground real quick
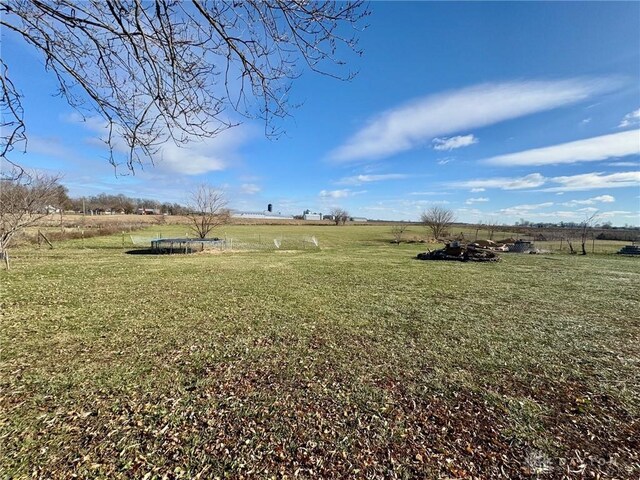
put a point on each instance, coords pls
(355, 361)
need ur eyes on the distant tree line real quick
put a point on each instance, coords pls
(119, 203)
(604, 225)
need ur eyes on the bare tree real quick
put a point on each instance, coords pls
(175, 70)
(398, 231)
(437, 219)
(491, 225)
(24, 200)
(568, 236)
(207, 210)
(585, 227)
(340, 216)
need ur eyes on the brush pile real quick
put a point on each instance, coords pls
(462, 253)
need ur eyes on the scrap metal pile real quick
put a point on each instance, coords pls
(459, 252)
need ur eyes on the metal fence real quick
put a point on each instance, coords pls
(256, 242)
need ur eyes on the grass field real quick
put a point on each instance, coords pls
(351, 361)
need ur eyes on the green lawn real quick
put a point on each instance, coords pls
(354, 360)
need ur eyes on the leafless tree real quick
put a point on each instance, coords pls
(491, 225)
(585, 228)
(568, 236)
(437, 219)
(24, 200)
(398, 231)
(207, 210)
(340, 216)
(174, 70)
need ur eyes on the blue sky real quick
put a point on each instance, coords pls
(498, 111)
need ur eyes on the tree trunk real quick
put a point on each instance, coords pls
(4, 256)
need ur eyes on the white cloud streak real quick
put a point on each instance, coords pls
(451, 143)
(595, 180)
(412, 125)
(567, 183)
(532, 180)
(624, 164)
(522, 210)
(585, 181)
(471, 201)
(428, 193)
(249, 188)
(360, 179)
(339, 193)
(591, 201)
(630, 119)
(594, 149)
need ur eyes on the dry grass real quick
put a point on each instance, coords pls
(355, 361)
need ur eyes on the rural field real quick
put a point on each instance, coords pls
(351, 360)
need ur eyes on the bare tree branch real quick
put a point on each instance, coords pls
(168, 70)
(12, 127)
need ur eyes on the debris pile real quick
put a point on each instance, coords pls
(490, 245)
(460, 252)
(521, 246)
(506, 245)
(630, 250)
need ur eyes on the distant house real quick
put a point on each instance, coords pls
(148, 211)
(358, 219)
(51, 209)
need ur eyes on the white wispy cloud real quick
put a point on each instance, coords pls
(250, 188)
(360, 179)
(571, 215)
(632, 118)
(196, 157)
(591, 201)
(429, 193)
(594, 149)
(471, 201)
(623, 164)
(339, 193)
(615, 213)
(416, 123)
(50, 146)
(526, 209)
(533, 180)
(451, 143)
(595, 180)
(477, 190)
(567, 183)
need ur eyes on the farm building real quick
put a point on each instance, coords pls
(263, 215)
(312, 216)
